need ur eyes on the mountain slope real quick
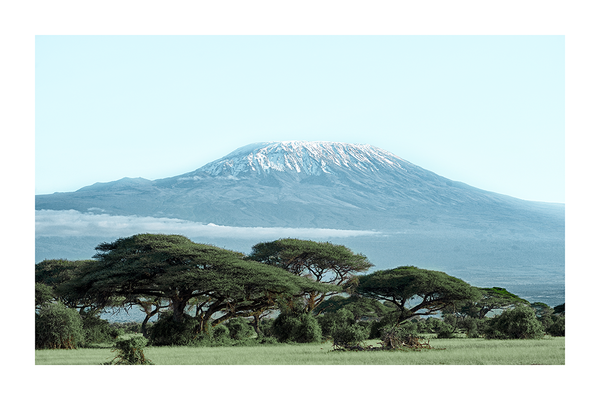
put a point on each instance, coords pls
(320, 185)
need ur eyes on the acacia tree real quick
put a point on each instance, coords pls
(319, 261)
(415, 291)
(491, 299)
(173, 268)
(59, 275)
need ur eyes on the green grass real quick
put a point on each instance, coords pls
(547, 351)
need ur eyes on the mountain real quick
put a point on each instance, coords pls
(314, 185)
(415, 216)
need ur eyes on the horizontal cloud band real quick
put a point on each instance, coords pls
(62, 223)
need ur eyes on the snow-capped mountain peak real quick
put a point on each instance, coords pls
(310, 158)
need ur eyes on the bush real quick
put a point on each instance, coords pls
(308, 330)
(266, 327)
(450, 319)
(342, 327)
(127, 327)
(434, 325)
(167, 332)
(380, 328)
(284, 325)
(266, 340)
(130, 351)
(330, 321)
(404, 335)
(473, 334)
(239, 329)
(97, 330)
(58, 327)
(518, 323)
(472, 326)
(220, 333)
(446, 332)
(349, 335)
(557, 328)
(385, 323)
(300, 328)
(443, 328)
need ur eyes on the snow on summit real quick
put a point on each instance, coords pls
(311, 158)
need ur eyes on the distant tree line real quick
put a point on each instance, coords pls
(284, 290)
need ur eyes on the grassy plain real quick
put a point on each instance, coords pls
(458, 351)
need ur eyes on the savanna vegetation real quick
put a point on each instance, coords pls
(285, 295)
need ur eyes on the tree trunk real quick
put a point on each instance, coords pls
(144, 323)
(178, 306)
(255, 324)
(203, 326)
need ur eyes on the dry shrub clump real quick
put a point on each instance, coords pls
(391, 339)
(394, 340)
(130, 352)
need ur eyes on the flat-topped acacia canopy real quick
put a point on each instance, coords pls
(174, 268)
(320, 261)
(403, 286)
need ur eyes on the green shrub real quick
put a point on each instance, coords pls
(376, 330)
(471, 326)
(300, 328)
(349, 335)
(130, 351)
(127, 327)
(220, 333)
(167, 332)
(308, 330)
(473, 334)
(239, 329)
(332, 320)
(266, 340)
(381, 328)
(434, 325)
(445, 333)
(98, 330)
(388, 320)
(266, 327)
(404, 330)
(284, 325)
(517, 323)
(326, 322)
(58, 327)
(443, 329)
(342, 328)
(450, 319)
(557, 328)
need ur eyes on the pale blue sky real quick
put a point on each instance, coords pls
(485, 110)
